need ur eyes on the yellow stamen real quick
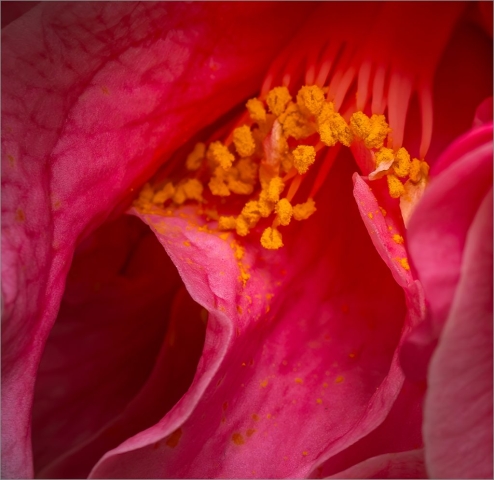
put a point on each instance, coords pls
(227, 223)
(194, 159)
(271, 239)
(278, 99)
(304, 156)
(244, 141)
(396, 188)
(373, 131)
(332, 127)
(294, 123)
(311, 98)
(164, 194)
(384, 155)
(274, 189)
(402, 164)
(190, 189)
(256, 110)
(303, 211)
(219, 154)
(284, 210)
(217, 184)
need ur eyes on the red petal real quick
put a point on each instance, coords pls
(94, 97)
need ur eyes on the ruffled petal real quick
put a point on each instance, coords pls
(94, 98)
(307, 346)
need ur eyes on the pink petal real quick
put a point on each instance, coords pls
(458, 410)
(439, 227)
(90, 107)
(122, 295)
(327, 369)
(401, 431)
(392, 465)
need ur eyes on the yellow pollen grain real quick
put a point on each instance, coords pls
(227, 223)
(370, 215)
(271, 239)
(256, 110)
(238, 439)
(311, 97)
(251, 212)
(239, 252)
(404, 263)
(194, 159)
(247, 170)
(304, 156)
(395, 187)
(305, 453)
(220, 154)
(164, 194)
(275, 187)
(398, 239)
(284, 210)
(373, 131)
(264, 383)
(339, 379)
(217, 183)
(299, 381)
(294, 123)
(319, 401)
(383, 211)
(242, 227)
(332, 127)
(303, 211)
(266, 207)
(244, 141)
(415, 173)
(402, 164)
(384, 155)
(277, 100)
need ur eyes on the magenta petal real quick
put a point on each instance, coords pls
(458, 410)
(311, 334)
(392, 465)
(438, 229)
(94, 97)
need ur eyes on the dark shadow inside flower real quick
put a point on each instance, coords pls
(124, 308)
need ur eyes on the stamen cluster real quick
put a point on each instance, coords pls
(274, 148)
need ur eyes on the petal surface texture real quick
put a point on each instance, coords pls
(94, 97)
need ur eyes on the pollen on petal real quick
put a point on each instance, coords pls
(302, 211)
(271, 239)
(278, 99)
(244, 141)
(398, 239)
(284, 210)
(304, 156)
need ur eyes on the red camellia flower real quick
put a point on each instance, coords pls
(246, 240)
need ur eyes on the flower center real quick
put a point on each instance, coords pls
(267, 156)
(352, 74)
